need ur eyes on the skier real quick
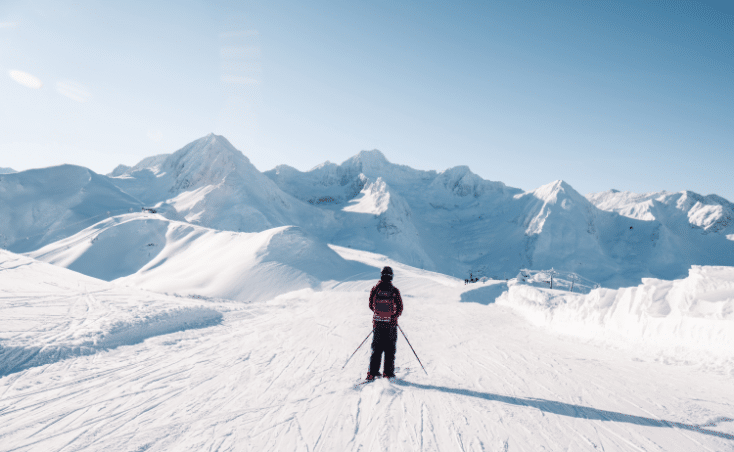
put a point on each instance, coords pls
(387, 306)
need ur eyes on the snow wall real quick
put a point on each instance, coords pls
(690, 318)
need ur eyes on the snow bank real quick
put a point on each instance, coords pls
(684, 317)
(48, 313)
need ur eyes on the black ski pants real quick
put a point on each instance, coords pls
(384, 340)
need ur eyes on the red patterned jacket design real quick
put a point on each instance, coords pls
(387, 286)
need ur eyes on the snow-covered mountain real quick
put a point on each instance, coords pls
(149, 251)
(457, 223)
(452, 221)
(7, 170)
(712, 213)
(41, 206)
(210, 183)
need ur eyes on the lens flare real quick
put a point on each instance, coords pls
(72, 90)
(25, 79)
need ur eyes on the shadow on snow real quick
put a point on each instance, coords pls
(577, 411)
(484, 294)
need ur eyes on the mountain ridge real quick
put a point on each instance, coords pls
(452, 221)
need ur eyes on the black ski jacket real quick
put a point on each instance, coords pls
(385, 285)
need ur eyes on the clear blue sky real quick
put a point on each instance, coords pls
(632, 95)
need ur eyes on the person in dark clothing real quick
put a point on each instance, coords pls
(387, 306)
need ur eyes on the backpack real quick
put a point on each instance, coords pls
(385, 306)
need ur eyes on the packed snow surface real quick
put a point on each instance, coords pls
(50, 313)
(269, 376)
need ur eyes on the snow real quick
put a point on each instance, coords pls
(210, 183)
(152, 252)
(711, 213)
(50, 314)
(373, 199)
(225, 320)
(41, 206)
(7, 170)
(269, 376)
(690, 319)
(456, 223)
(451, 221)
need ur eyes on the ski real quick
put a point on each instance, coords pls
(364, 382)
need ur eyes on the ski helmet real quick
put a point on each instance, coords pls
(387, 272)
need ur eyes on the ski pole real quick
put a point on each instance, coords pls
(411, 347)
(360, 346)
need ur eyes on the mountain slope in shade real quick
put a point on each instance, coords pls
(41, 206)
(151, 252)
(210, 183)
(379, 219)
(422, 227)
(7, 170)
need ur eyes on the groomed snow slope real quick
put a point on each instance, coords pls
(49, 313)
(151, 252)
(270, 377)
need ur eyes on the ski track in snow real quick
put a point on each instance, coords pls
(269, 377)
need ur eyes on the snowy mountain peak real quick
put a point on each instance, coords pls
(373, 156)
(557, 191)
(208, 160)
(119, 170)
(460, 181)
(209, 146)
(7, 170)
(367, 161)
(327, 165)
